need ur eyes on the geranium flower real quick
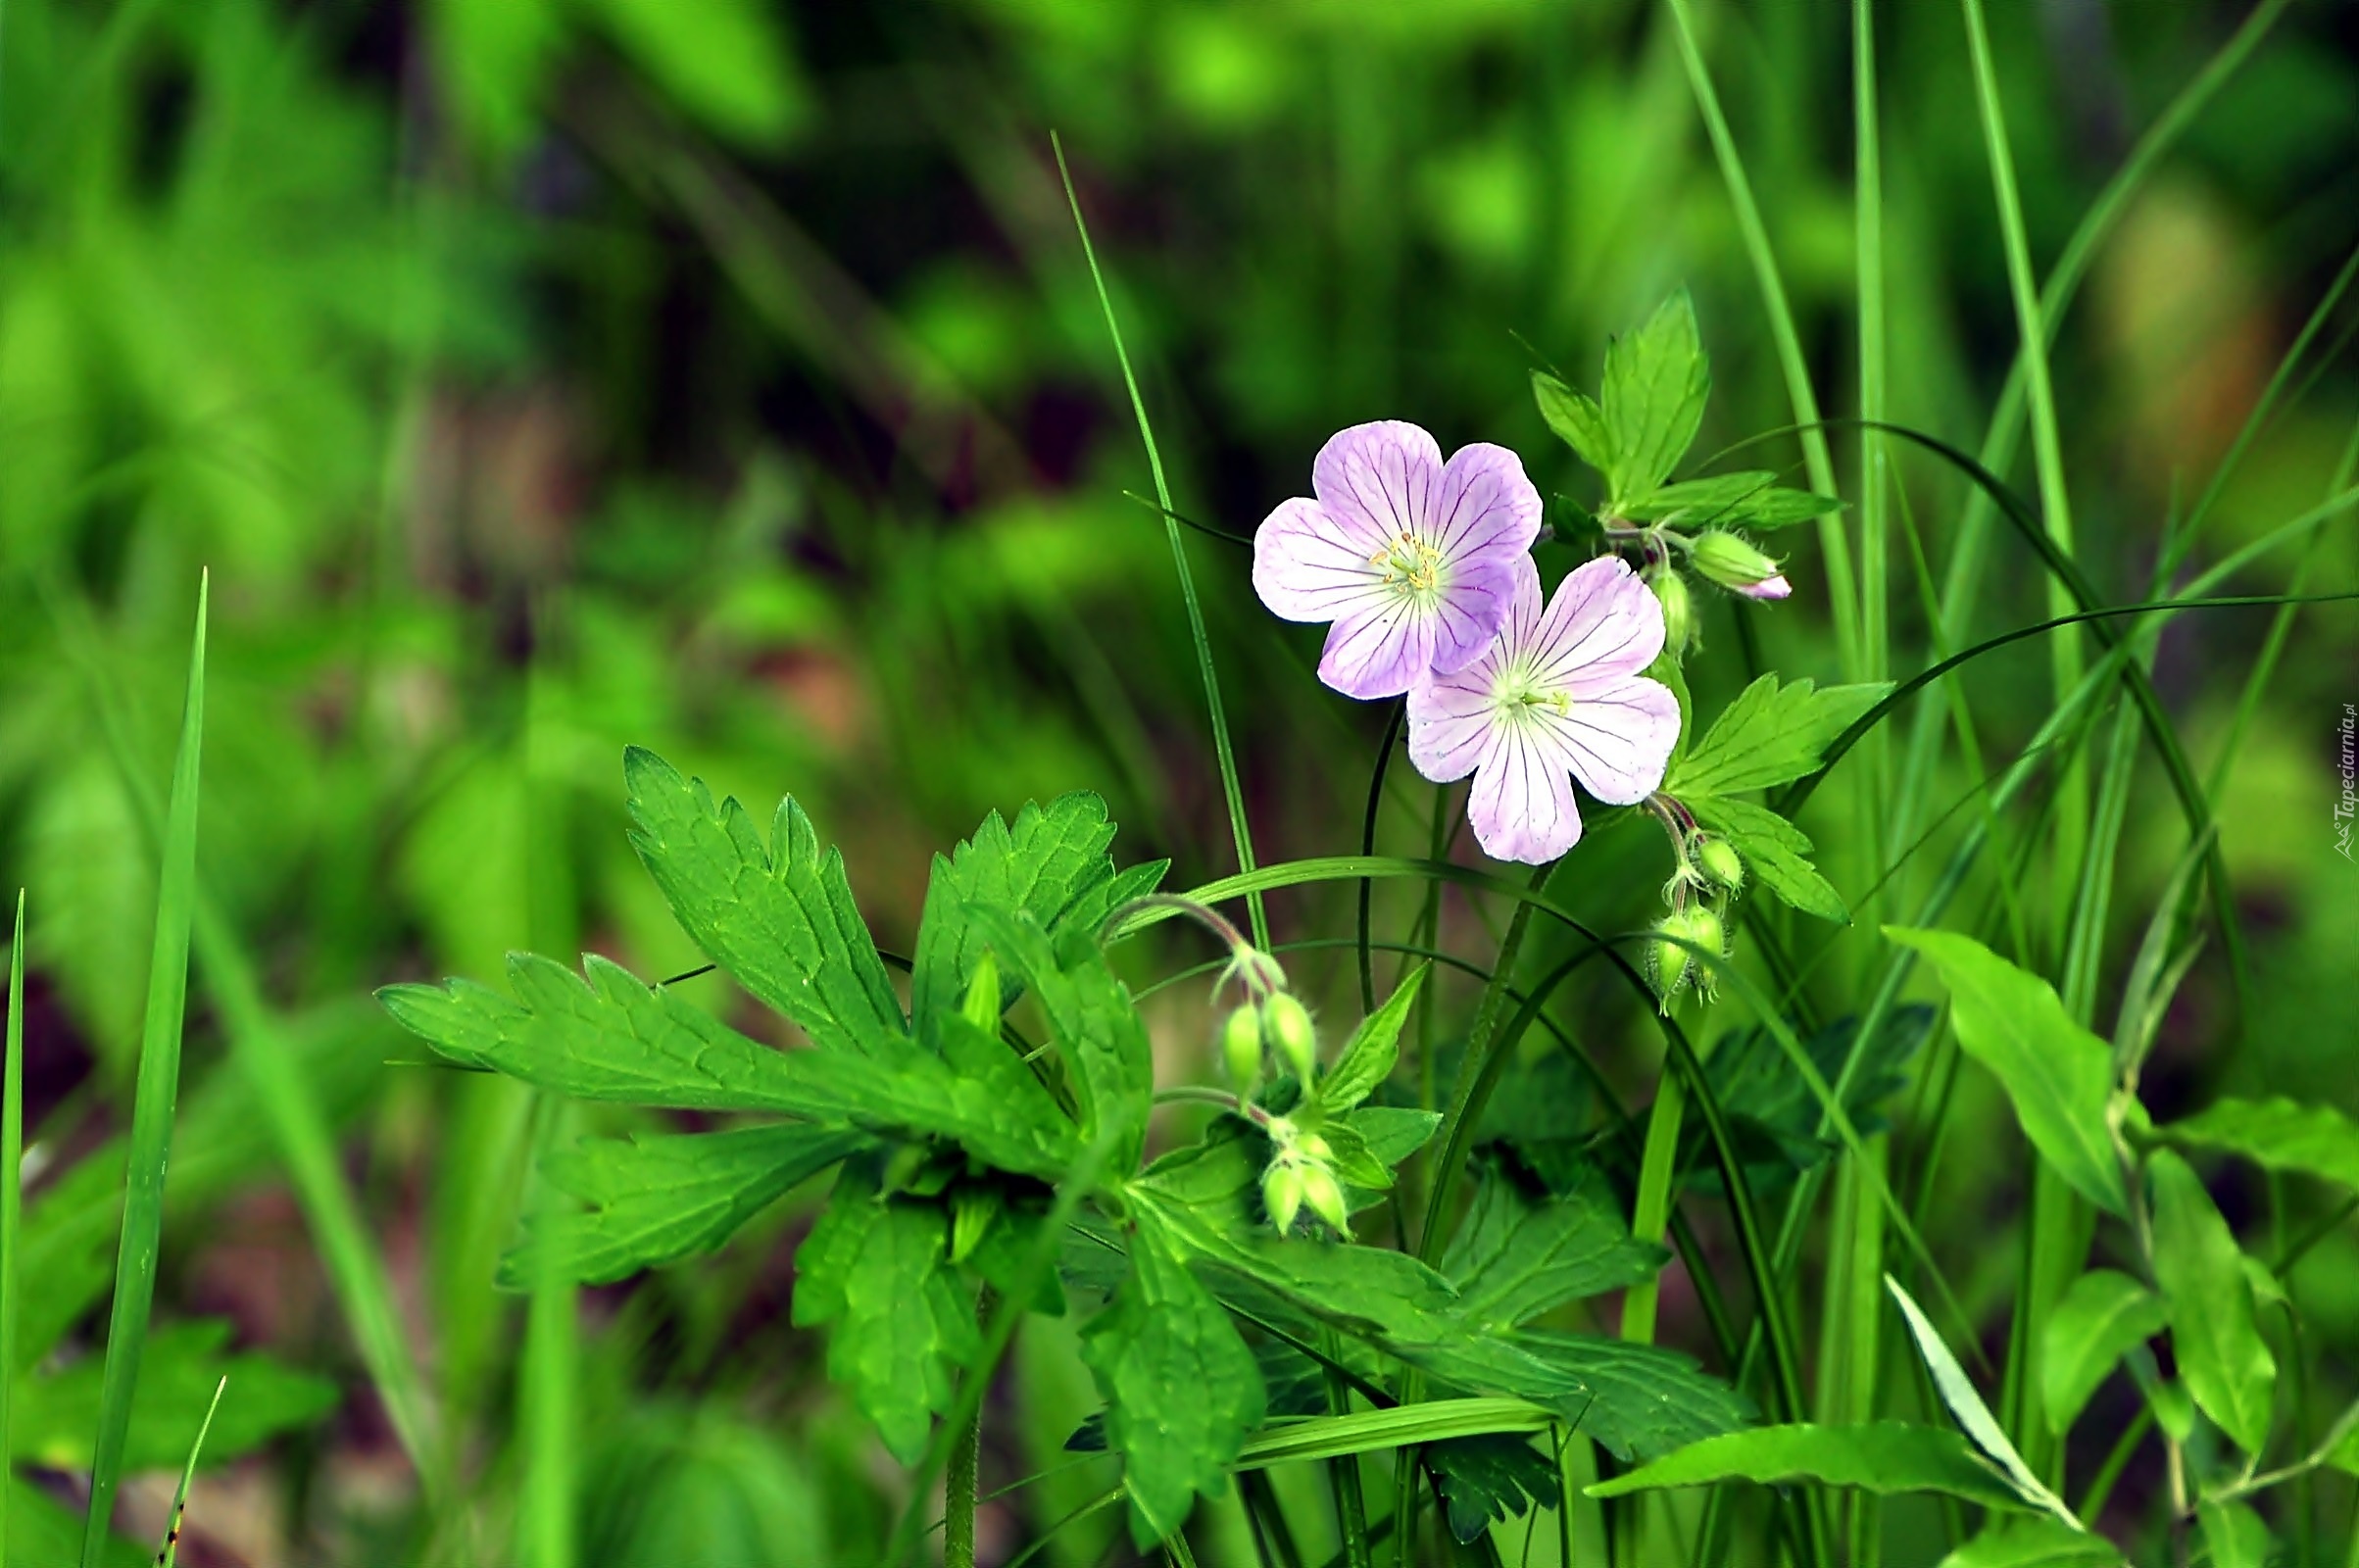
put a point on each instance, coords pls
(1413, 559)
(1557, 697)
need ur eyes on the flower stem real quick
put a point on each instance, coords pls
(959, 1496)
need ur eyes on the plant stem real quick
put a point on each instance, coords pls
(1238, 828)
(959, 1496)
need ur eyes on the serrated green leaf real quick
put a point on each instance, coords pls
(1773, 850)
(1751, 499)
(2234, 1535)
(2057, 1075)
(2215, 1333)
(1367, 1058)
(1639, 1401)
(1490, 1480)
(1656, 379)
(614, 1038)
(1353, 1163)
(184, 1363)
(1759, 1087)
(2034, 1543)
(2276, 1134)
(1577, 421)
(1091, 1020)
(653, 1200)
(1884, 1457)
(1050, 865)
(2101, 1317)
(1518, 1254)
(875, 1269)
(1958, 1393)
(1182, 1390)
(1772, 734)
(778, 917)
(1394, 1132)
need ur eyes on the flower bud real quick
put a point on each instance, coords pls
(1282, 1194)
(1732, 561)
(1289, 1024)
(1241, 1048)
(1326, 1198)
(1721, 862)
(1668, 962)
(1679, 609)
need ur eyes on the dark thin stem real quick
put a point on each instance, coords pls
(1367, 846)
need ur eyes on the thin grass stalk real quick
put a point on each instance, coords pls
(169, 1553)
(152, 1108)
(1841, 592)
(1961, 582)
(552, 1371)
(1238, 828)
(357, 1270)
(12, 1204)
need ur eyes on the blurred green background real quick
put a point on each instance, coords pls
(537, 376)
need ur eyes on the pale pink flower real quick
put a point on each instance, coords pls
(1557, 697)
(1413, 559)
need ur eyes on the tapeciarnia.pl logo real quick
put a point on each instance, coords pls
(2346, 758)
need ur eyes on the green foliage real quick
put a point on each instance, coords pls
(2100, 1318)
(1091, 1020)
(1771, 1108)
(2234, 1535)
(1656, 379)
(184, 1364)
(1775, 850)
(1515, 1256)
(1051, 865)
(1751, 499)
(2278, 1134)
(2214, 1336)
(1368, 1057)
(1489, 1479)
(2039, 1543)
(655, 1199)
(1182, 1390)
(1883, 1457)
(778, 917)
(1966, 1404)
(875, 1269)
(1772, 734)
(2057, 1075)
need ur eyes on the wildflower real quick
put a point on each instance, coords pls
(1732, 561)
(1558, 694)
(1413, 559)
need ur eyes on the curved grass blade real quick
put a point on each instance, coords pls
(159, 1086)
(12, 1199)
(1223, 751)
(169, 1552)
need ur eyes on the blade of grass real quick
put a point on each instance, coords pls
(169, 1552)
(158, 1088)
(11, 1197)
(551, 1376)
(363, 1282)
(1223, 751)
(1842, 595)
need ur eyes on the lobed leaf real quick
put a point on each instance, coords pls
(1750, 499)
(778, 917)
(1773, 850)
(1490, 1480)
(1368, 1056)
(2101, 1317)
(1090, 1019)
(1884, 1457)
(1577, 421)
(2057, 1075)
(1051, 865)
(658, 1200)
(614, 1038)
(1772, 734)
(2215, 1333)
(1182, 1390)
(1515, 1256)
(876, 1268)
(2276, 1134)
(1656, 379)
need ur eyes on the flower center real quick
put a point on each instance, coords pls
(1518, 690)
(1409, 564)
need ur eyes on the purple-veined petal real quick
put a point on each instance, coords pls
(1617, 737)
(1522, 803)
(1381, 652)
(1603, 623)
(1450, 720)
(1484, 505)
(1380, 475)
(1776, 587)
(1477, 601)
(1311, 565)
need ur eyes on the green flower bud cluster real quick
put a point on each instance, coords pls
(1278, 1023)
(1671, 961)
(1301, 1175)
(1710, 872)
